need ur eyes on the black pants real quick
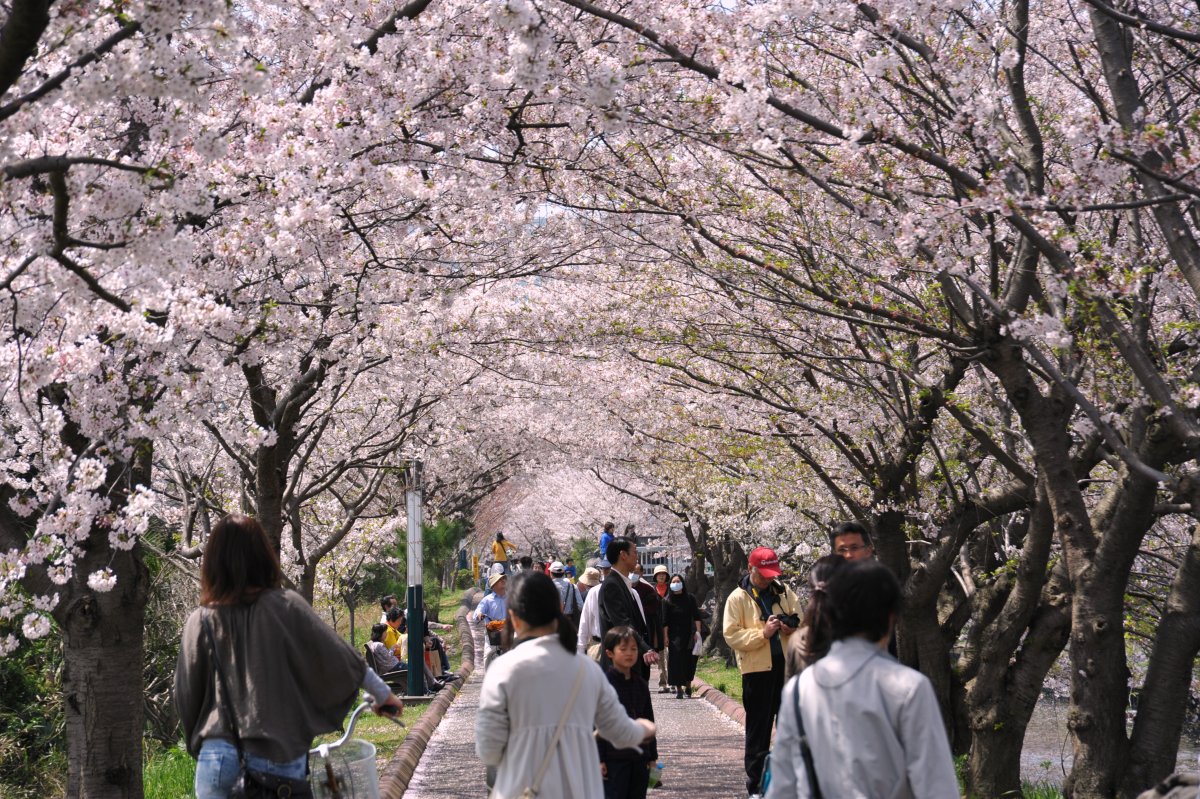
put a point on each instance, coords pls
(627, 779)
(761, 692)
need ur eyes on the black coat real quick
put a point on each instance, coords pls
(617, 608)
(680, 615)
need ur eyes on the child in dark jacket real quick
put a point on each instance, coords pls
(627, 771)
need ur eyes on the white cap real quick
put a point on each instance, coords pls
(557, 566)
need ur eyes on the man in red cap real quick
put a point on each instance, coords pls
(759, 616)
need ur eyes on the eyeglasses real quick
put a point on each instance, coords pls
(844, 551)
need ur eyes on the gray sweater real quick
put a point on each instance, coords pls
(290, 675)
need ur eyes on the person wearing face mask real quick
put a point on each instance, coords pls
(681, 630)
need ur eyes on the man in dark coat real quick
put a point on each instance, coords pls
(619, 605)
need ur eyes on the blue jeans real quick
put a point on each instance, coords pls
(217, 768)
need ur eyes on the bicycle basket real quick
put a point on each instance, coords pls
(353, 769)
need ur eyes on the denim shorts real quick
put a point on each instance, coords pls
(217, 768)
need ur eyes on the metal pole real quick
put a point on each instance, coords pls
(416, 608)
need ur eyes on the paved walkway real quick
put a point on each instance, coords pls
(700, 749)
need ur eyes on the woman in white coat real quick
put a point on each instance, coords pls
(872, 725)
(524, 696)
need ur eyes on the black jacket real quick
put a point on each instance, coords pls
(618, 607)
(634, 694)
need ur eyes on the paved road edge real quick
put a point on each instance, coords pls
(727, 705)
(399, 771)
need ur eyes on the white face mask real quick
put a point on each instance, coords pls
(633, 577)
(677, 587)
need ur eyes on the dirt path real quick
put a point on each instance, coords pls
(700, 749)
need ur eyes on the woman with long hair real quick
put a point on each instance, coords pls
(815, 635)
(540, 703)
(500, 549)
(681, 628)
(259, 673)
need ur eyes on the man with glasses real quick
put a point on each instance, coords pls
(852, 541)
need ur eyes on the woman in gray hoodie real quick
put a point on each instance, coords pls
(285, 675)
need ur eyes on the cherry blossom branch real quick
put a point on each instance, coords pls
(1111, 437)
(27, 20)
(62, 200)
(127, 30)
(1140, 20)
(60, 163)
(371, 44)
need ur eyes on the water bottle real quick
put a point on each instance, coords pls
(656, 776)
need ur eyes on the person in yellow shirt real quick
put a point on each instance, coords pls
(391, 636)
(500, 550)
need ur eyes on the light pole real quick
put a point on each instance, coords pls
(416, 607)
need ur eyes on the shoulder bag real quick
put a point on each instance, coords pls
(250, 783)
(805, 755)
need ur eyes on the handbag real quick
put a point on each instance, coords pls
(805, 755)
(532, 790)
(251, 783)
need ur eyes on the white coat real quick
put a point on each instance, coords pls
(589, 622)
(873, 726)
(521, 700)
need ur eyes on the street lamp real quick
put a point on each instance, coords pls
(416, 608)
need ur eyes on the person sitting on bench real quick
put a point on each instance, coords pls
(386, 661)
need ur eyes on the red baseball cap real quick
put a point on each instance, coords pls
(766, 561)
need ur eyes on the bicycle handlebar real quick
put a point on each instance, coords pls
(324, 749)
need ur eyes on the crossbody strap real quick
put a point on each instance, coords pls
(225, 706)
(562, 721)
(805, 752)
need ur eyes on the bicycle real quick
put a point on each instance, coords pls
(345, 769)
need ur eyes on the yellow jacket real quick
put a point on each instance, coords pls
(742, 626)
(500, 550)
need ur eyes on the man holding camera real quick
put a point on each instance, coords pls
(759, 616)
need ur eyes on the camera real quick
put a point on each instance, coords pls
(789, 619)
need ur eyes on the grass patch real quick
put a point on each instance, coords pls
(384, 733)
(726, 679)
(169, 773)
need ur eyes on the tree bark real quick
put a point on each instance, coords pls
(1021, 630)
(102, 677)
(729, 564)
(1163, 701)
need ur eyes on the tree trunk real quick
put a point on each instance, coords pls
(698, 582)
(1023, 629)
(102, 678)
(1001, 709)
(729, 564)
(1163, 701)
(994, 762)
(269, 476)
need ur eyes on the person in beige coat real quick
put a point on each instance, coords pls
(523, 696)
(760, 616)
